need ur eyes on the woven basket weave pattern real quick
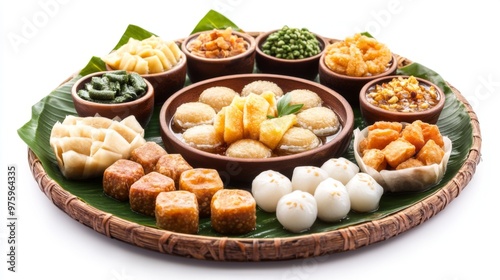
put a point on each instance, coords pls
(265, 249)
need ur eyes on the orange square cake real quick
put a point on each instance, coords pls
(144, 191)
(177, 211)
(119, 176)
(172, 165)
(204, 183)
(147, 155)
(233, 211)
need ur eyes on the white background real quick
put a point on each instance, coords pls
(45, 41)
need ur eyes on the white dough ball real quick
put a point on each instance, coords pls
(307, 178)
(297, 211)
(268, 187)
(364, 193)
(333, 200)
(340, 169)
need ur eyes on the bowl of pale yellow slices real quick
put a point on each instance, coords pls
(159, 61)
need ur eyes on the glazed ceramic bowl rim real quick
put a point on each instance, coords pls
(261, 38)
(347, 127)
(247, 37)
(377, 110)
(326, 70)
(74, 93)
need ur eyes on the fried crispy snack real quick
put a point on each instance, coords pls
(358, 56)
(407, 169)
(217, 44)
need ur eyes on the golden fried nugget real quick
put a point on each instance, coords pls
(398, 151)
(430, 153)
(379, 138)
(409, 163)
(375, 159)
(413, 133)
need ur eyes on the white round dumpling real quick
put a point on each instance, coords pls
(307, 178)
(364, 193)
(340, 169)
(268, 187)
(333, 200)
(297, 211)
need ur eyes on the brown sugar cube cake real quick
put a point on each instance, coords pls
(398, 151)
(172, 165)
(233, 212)
(143, 192)
(119, 176)
(204, 183)
(177, 211)
(147, 155)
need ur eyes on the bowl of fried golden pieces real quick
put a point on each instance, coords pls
(218, 53)
(402, 157)
(401, 98)
(346, 66)
(242, 125)
(290, 51)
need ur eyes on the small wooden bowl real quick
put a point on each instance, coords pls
(348, 86)
(142, 108)
(245, 170)
(372, 113)
(167, 82)
(306, 68)
(201, 68)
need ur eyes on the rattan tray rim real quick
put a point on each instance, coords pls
(265, 249)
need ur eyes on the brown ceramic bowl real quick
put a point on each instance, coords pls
(201, 68)
(168, 82)
(348, 86)
(306, 68)
(372, 113)
(142, 108)
(245, 170)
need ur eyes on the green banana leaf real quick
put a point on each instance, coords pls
(214, 20)
(454, 122)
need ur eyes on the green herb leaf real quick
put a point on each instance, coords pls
(214, 20)
(285, 108)
(367, 34)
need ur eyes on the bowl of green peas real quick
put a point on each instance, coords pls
(114, 94)
(290, 51)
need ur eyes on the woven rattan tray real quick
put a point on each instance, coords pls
(264, 249)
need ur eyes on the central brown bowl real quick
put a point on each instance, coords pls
(243, 171)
